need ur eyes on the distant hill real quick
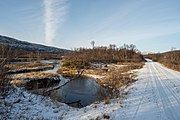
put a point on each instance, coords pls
(170, 59)
(172, 52)
(29, 47)
(146, 53)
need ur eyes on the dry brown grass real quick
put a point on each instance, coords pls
(118, 77)
(67, 72)
(39, 78)
(170, 59)
(30, 66)
(33, 75)
(172, 66)
(18, 83)
(114, 76)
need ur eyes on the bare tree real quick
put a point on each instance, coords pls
(5, 55)
(103, 54)
(169, 59)
(112, 46)
(92, 43)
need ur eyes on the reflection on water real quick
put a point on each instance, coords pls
(80, 92)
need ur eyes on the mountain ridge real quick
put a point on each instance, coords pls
(28, 46)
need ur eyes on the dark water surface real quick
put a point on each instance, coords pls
(80, 92)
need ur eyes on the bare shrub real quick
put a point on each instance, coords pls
(82, 56)
(106, 116)
(5, 56)
(170, 59)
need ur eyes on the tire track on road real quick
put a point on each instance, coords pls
(167, 103)
(168, 84)
(147, 95)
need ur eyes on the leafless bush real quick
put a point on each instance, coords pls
(170, 59)
(121, 76)
(5, 56)
(106, 116)
(82, 56)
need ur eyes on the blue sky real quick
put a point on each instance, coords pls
(152, 25)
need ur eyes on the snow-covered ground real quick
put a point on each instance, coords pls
(155, 96)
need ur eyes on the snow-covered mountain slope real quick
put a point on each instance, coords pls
(23, 45)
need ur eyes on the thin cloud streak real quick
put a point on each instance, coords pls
(54, 15)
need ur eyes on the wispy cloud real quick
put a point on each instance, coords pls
(54, 14)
